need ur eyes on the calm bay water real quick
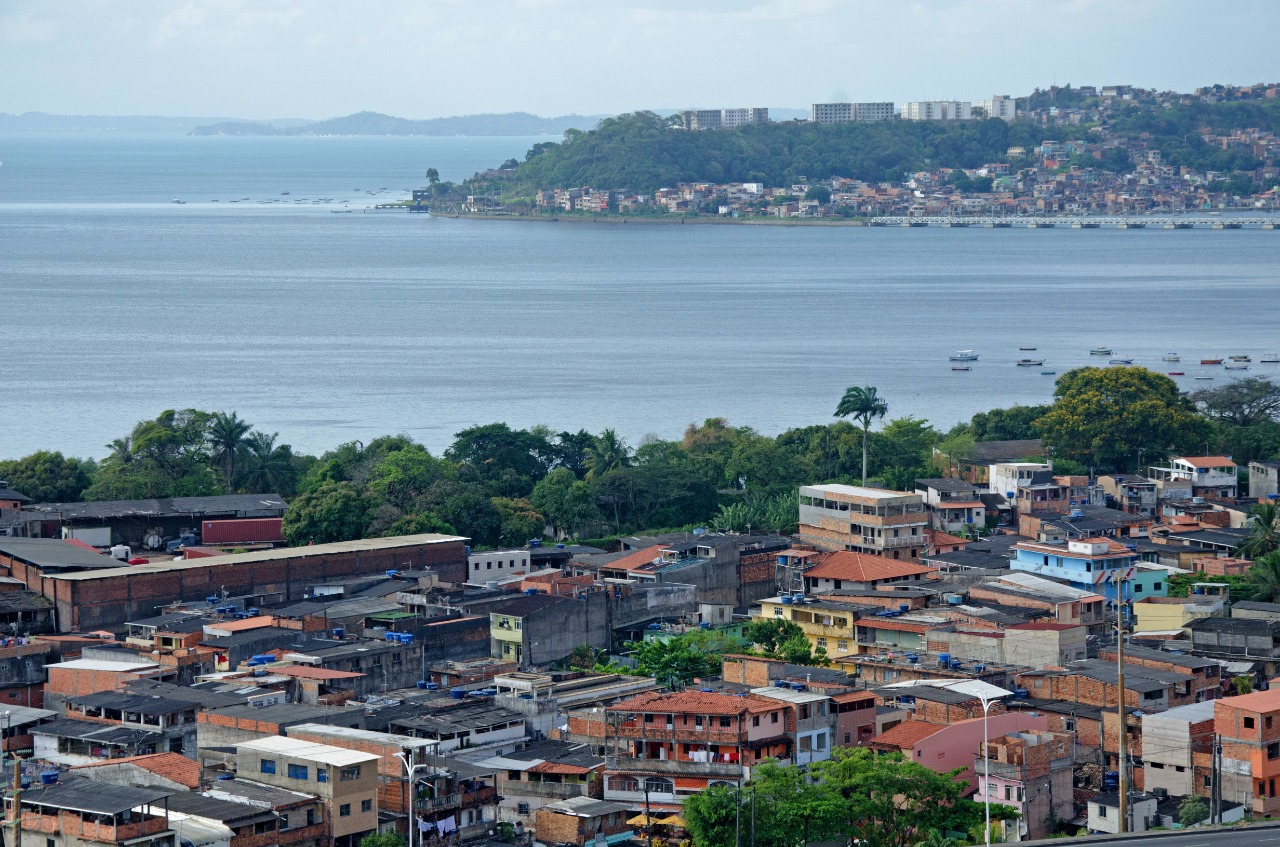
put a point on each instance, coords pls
(116, 304)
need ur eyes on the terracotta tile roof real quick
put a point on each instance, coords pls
(308, 672)
(906, 735)
(696, 703)
(1208, 461)
(860, 567)
(635, 560)
(1258, 701)
(558, 767)
(173, 766)
(948, 538)
(852, 697)
(241, 625)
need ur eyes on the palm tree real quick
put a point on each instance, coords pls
(265, 466)
(607, 453)
(1264, 531)
(864, 406)
(226, 437)
(121, 451)
(1264, 578)
(936, 839)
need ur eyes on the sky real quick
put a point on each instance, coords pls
(264, 59)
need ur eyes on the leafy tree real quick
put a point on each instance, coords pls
(1017, 423)
(818, 192)
(164, 457)
(798, 651)
(864, 405)
(474, 516)
(506, 462)
(405, 475)
(607, 453)
(714, 816)
(1108, 415)
(1264, 579)
(568, 503)
(382, 839)
(1241, 402)
(771, 633)
(49, 477)
(953, 449)
(227, 434)
(1264, 531)
(336, 511)
(1242, 685)
(419, 523)
(1192, 810)
(937, 839)
(679, 661)
(518, 521)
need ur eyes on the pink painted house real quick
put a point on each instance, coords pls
(947, 747)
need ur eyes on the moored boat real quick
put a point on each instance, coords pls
(1177, 373)
(1026, 348)
(964, 356)
(1171, 357)
(1235, 367)
(1120, 362)
(1047, 373)
(1100, 351)
(1271, 358)
(1210, 361)
(1029, 363)
(1240, 358)
(1204, 377)
(961, 368)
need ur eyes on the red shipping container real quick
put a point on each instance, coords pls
(243, 531)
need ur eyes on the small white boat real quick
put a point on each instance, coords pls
(1171, 357)
(1024, 349)
(964, 356)
(961, 368)
(1120, 361)
(1235, 367)
(1271, 358)
(1048, 373)
(1100, 351)
(1029, 363)
(1204, 377)
(1240, 358)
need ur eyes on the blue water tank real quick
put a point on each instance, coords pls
(797, 686)
(422, 683)
(48, 777)
(704, 625)
(944, 658)
(226, 776)
(559, 546)
(797, 598)
(706, 690)
(1111, 779)
(903, 607)
(457, 693)
(264, 658)
(654, 626)
(912, 658)
(786, 599)
(391, 636)
(531, 591)
(212, 599)
(782, 683)
(956, 664)
(406, 638)
(252, 610)
(1020, 693)
(339, 632)
(432, 686)
(391, 572)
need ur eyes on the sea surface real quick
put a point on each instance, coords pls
(116, 303)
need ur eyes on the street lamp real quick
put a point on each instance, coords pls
(987, 702)
(410, 770)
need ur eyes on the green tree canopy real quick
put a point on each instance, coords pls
(49, 477)
(864, 405)
(1109, 416)
(336, 511)
(679, 661)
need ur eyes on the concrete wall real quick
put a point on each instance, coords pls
(554, 632)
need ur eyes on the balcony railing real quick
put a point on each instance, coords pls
(667, 732)
(889, 542)
(724, 770)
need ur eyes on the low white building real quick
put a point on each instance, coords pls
(496, 564)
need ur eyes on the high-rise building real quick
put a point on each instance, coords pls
(999, 106)
(696, 119)
(937, 110)
(839, 113)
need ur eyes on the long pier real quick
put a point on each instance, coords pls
(1082, 222)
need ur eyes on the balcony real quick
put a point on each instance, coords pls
(890, 543)
(676, 767)
(670, 732)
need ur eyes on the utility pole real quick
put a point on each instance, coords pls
(737, 815)
(1123, 781)
(648, 816)
(17, 800)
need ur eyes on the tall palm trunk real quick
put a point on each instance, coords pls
(865, 427)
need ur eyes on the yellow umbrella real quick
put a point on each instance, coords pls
(640, 820)
(671, 820)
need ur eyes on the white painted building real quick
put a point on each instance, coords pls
(496, 564)
(839, 113)
(937, 110)
(999, 106)
(1005, 477)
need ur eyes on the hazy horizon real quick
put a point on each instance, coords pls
(284, 60)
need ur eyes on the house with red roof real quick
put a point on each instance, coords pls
(670, 745)
(1214, 477)
(864, 572)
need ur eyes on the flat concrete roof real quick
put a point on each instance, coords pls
(856, 491)
(364, 545)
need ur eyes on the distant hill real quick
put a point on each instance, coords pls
(41, 122)
(373, 123)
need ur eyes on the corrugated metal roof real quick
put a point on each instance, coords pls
(310, 750)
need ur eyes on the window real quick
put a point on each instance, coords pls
(264, 827)
(1273, 750)
(322, 774)
(1137, 589)
(522, 808)
(648, 718)
(267, 766)
(298, 772)
(842, 646)
(344, 811)
(820, 741)
(822, 643)
(755, 720)
(1157, 765)
(725, 723)
(1267, 721)
(624, 783)
(697, 721)
(773, 717)
(348, 774)
(366, 805)
(777, 611)
(1156, 586)
(513, 776)
(1102, 811)
(1069, 725)
(1248, 723)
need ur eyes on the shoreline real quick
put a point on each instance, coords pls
(645, 220)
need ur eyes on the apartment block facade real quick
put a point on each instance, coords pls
(864, 520)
